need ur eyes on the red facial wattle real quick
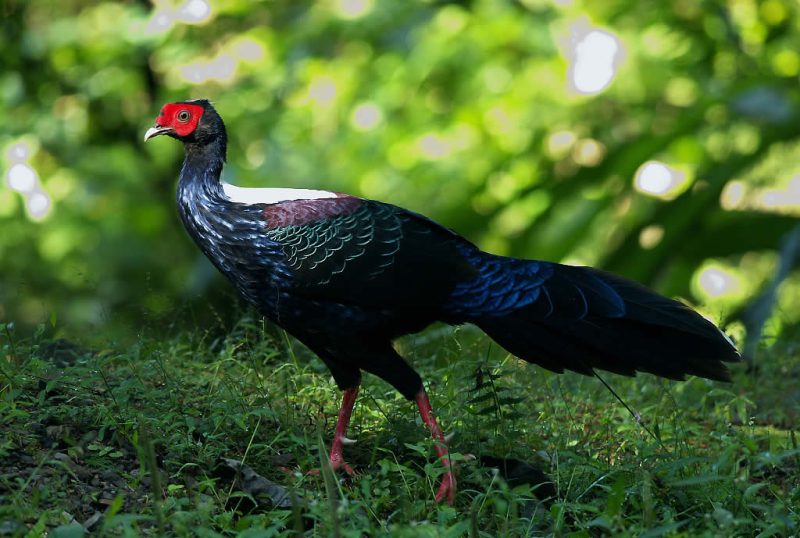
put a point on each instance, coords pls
(182, 118)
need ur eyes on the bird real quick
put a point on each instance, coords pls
(347, 276)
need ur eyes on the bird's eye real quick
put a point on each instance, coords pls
(183, 116)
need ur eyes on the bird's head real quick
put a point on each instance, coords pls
(192, 122)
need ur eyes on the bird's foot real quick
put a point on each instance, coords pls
(336, 458)
(447, 488)
(337, 462)
(340, 440)
(335, 466)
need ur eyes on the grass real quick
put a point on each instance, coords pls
(129, 441)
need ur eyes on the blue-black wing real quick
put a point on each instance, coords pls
(374, 255)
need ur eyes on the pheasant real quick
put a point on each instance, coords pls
(346, 276)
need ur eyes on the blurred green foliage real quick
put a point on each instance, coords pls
(473, 112)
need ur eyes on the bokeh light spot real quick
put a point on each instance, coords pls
(781, 200)
(773, 12)
(322, 90)
(165, 16)
(786, 63)
(559, 143)
(366, 116)
(434, 147)
(221, 68)
(19, 152)
(681, 91)
(733, 195)
(160, 22)
(195, 11)
(497, 78)
(353, 9)
(659, 180)
(21, 178)
(256, 154)
(38, 205)
(594, 55)
(588, 152)
(249, 49)
(651, 236)
(718, 282)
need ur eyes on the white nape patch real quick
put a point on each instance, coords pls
(245, 195)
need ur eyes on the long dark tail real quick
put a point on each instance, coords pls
(584, 319)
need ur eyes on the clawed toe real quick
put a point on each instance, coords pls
(341, 464)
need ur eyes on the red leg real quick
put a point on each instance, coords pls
(447, 488)
(336, 457)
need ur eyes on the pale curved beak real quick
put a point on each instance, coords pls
(155, 131)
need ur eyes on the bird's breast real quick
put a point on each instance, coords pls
(233, 238)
